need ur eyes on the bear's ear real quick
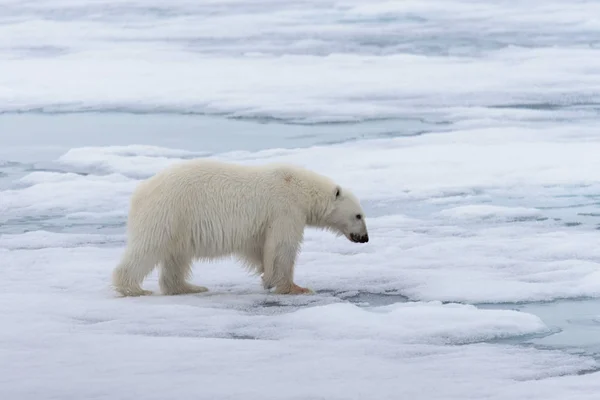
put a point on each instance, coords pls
(338, 192)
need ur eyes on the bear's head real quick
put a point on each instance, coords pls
(346, 216)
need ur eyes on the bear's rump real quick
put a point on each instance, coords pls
(208, 213)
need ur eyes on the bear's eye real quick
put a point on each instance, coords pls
(358, 216)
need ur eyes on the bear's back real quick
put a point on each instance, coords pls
(221, 203)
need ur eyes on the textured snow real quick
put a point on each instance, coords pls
(426, 231)
(55, 295)
(65, 332)
(303, 61)
(475, 159)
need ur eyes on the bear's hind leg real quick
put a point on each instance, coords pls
(175, 270)
(128, 276)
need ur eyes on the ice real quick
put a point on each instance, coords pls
(155, 367)
(304, 62)
(136, 161)
(468, 130)
(324, 320)
(466, 239)
(44, 239)
(70, 191)
(487, 212)
(295, 88)
(64, 330)
(499, 232)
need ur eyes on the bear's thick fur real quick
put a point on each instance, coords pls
(206, 209)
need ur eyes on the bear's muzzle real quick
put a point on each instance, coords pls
(356, 238)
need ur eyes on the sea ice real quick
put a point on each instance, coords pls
(479, 180)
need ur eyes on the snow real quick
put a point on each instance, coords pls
(57, 305)
(64, 330)
(474, 155)
(303, 62)
(491, 212)
(214, 368)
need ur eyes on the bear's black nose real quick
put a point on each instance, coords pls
(356, 238)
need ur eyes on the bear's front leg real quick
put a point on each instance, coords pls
(281, 249)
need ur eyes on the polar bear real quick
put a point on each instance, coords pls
(206, 209)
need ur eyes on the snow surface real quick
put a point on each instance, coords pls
(475, 158)
(301, 61)
(61, 320)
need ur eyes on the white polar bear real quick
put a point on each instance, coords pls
(205, 209)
